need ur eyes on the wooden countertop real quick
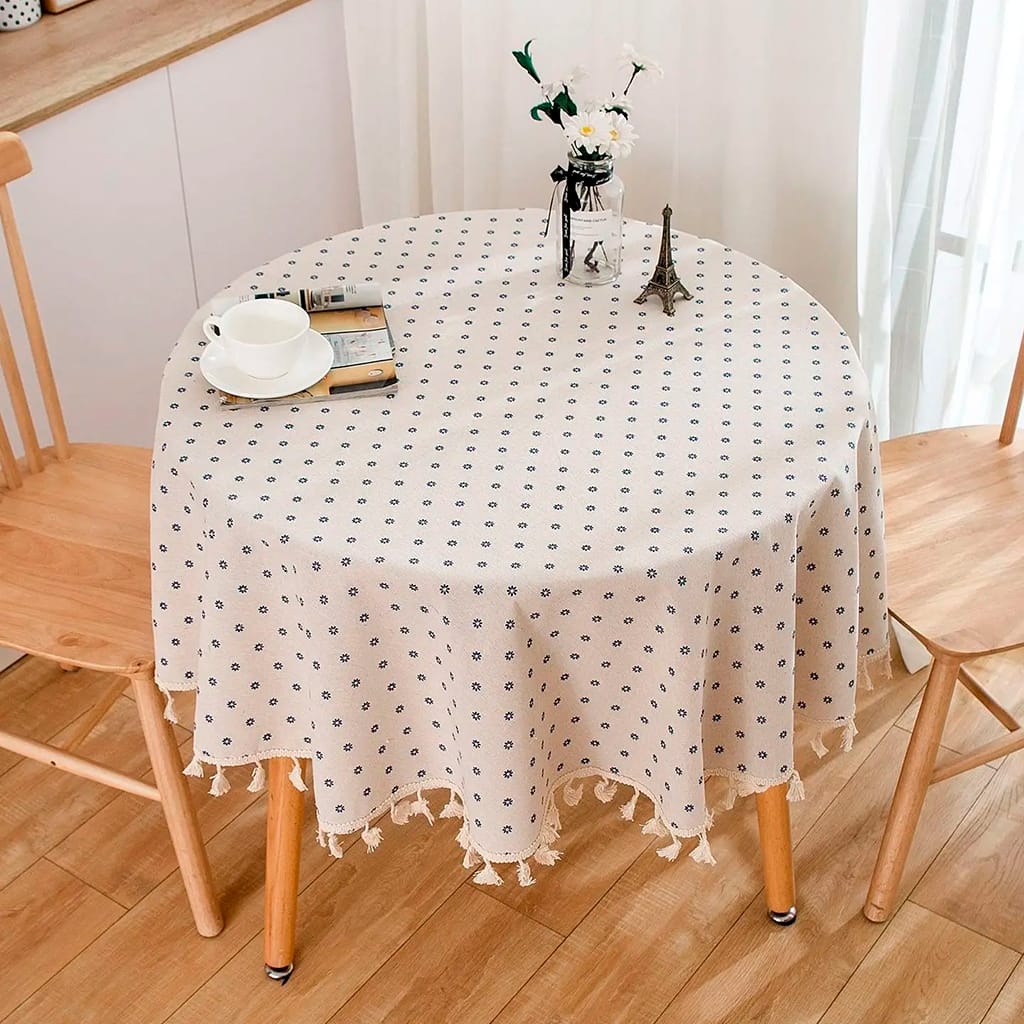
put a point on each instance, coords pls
(68, 58)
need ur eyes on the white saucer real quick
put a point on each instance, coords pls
(315, 359)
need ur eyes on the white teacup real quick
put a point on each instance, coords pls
(263, 337)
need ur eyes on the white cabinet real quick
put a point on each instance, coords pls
(265, 140)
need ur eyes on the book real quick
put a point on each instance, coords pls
(353, 320)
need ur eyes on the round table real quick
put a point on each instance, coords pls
(582, 539)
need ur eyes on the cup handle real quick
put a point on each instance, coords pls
(211, 327)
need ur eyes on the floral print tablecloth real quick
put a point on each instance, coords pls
(583, 543)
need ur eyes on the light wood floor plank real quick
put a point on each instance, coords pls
(979, 877)
(38, 699)
(40, 806)
(151, 960)
(1009, 1005)
(924, 968)
(791, 975)
(632, 954)
(461, 967)
(124, 849)
(47, 917)
(351, 919)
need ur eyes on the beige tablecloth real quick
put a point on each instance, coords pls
(582, 541)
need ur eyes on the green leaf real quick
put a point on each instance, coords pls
(618, 110)
(525, 61)
(564, 102)
(545, 108)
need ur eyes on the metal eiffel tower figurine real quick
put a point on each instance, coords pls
(665, 282)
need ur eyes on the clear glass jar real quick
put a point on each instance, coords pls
(589, 210)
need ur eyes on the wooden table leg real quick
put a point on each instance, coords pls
(777, 854)
(915, 777)
(284, 838)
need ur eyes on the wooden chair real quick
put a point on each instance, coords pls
(74, 587)
(955, 545)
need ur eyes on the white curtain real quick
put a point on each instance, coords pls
(751, 136)
(942, 209)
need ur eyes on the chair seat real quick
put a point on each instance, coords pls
(74, 546)
(955, 538)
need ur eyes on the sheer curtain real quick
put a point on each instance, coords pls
(751, 136)
(941, 234)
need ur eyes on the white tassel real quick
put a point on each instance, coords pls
(628, 809)
(295, 776)
(524, 874)
(220, 784)
(605, 790)
(258, 780)
(554, 819)
(321, 837)
(671, 852)
(335, 847)
(487, 875)
(702, 852)
(887, 666)
(653, 827)
(373, 837)
(795, 790)
(420, 806)
(546, 856)
(452, 809)
(729, 800)
(472, 859)
(573, 792)
(169, 713)
(818, 743)
(401, 812)
(463, 836)
(194, 768)
(849, 731)
(864, 675)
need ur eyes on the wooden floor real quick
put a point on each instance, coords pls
(94, 925)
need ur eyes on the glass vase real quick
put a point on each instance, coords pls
(589, 205)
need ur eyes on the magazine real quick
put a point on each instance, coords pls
(352, 319)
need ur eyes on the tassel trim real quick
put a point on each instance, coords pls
(220, 785)
(169, 712)
(628, 809)
(259, 779)
(452, 809)
(295, 776)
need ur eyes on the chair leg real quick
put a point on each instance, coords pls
(179, 811)
(777, 854)
(915, 777)
(281, 896)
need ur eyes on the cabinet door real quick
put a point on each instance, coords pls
(265, 138)
(103, 225)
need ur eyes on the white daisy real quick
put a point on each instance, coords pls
(631, 60)
(589, 130)
(621, 136)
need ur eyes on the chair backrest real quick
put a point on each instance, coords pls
(1012, 414)
(15, 163)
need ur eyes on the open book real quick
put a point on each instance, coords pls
(352, 319)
